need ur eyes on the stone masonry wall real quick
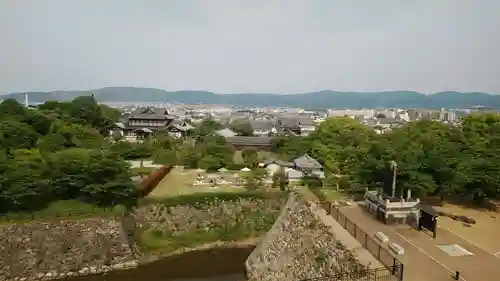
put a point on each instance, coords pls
(299, 246)
(66, 248)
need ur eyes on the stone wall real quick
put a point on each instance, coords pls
(299, 246)
(46, 251)
(226, 220)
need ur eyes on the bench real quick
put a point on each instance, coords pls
(398, 250)
(381, 237)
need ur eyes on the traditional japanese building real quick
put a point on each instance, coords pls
(143, 122)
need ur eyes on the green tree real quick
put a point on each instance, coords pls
(210, 162)
(82, 136)
(24, 181)
(16, 135)
(38, 121)
(51, 142)
(280, 180)
(311, 181)
(10, 109)
(206, 127)
(250, 156)
(255, 179)
(132, 151)
(91, 175)
(242, 128)
(342, 141)
(291, 147)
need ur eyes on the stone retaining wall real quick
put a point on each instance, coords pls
(299, 246)
(66, 248)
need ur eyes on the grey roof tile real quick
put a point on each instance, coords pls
(307, 162)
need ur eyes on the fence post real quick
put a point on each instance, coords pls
(355, 230)
(393, 266)
(366, 240)
(378, 253)
(401, 271)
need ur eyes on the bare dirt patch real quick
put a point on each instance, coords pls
(484, 233)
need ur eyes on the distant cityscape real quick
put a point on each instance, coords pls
(265, 121)
(143, 118)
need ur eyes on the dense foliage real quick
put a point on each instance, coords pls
(432, 158)
(204, 149)
(59, 151)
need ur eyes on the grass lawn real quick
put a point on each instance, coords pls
(64, 209)
(333, 195)
(142, 170)
(330, 194)
(307, 194)
(178, 182)
(261, 155)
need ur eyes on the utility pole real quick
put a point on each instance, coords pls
(394, 168)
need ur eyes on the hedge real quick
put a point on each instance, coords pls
(150, 183)
(206, 197)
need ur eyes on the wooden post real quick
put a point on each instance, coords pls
(457, 275)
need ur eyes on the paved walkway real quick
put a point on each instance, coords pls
(480, 266)
(417, 265)
(423, 259)
(365, 257)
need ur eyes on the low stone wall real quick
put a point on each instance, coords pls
(46, 251)
(299, 246)
(228, 218)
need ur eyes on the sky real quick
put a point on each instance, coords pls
(234, 46)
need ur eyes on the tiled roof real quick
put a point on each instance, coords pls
(295, 174)
(305, 121)
(151, 113)
(278, 162)
(262, 125)
(307, 162)
(227, 133)
(288, 122)
(240, 140)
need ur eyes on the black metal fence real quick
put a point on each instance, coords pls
(376, 274)
(393, 266)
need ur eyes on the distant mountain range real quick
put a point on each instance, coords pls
(322, 99)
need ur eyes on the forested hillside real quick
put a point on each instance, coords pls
(321, 99)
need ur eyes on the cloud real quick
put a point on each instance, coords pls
(249, 46)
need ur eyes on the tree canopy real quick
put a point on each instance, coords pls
(58, 151)
(433, 158)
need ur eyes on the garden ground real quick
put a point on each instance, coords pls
(179, 182)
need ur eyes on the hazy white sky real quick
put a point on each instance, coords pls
(226, 46)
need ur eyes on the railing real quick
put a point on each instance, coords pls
(375, 274)
(392, 265)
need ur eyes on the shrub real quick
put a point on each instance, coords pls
(202, 197)
(153, 180)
